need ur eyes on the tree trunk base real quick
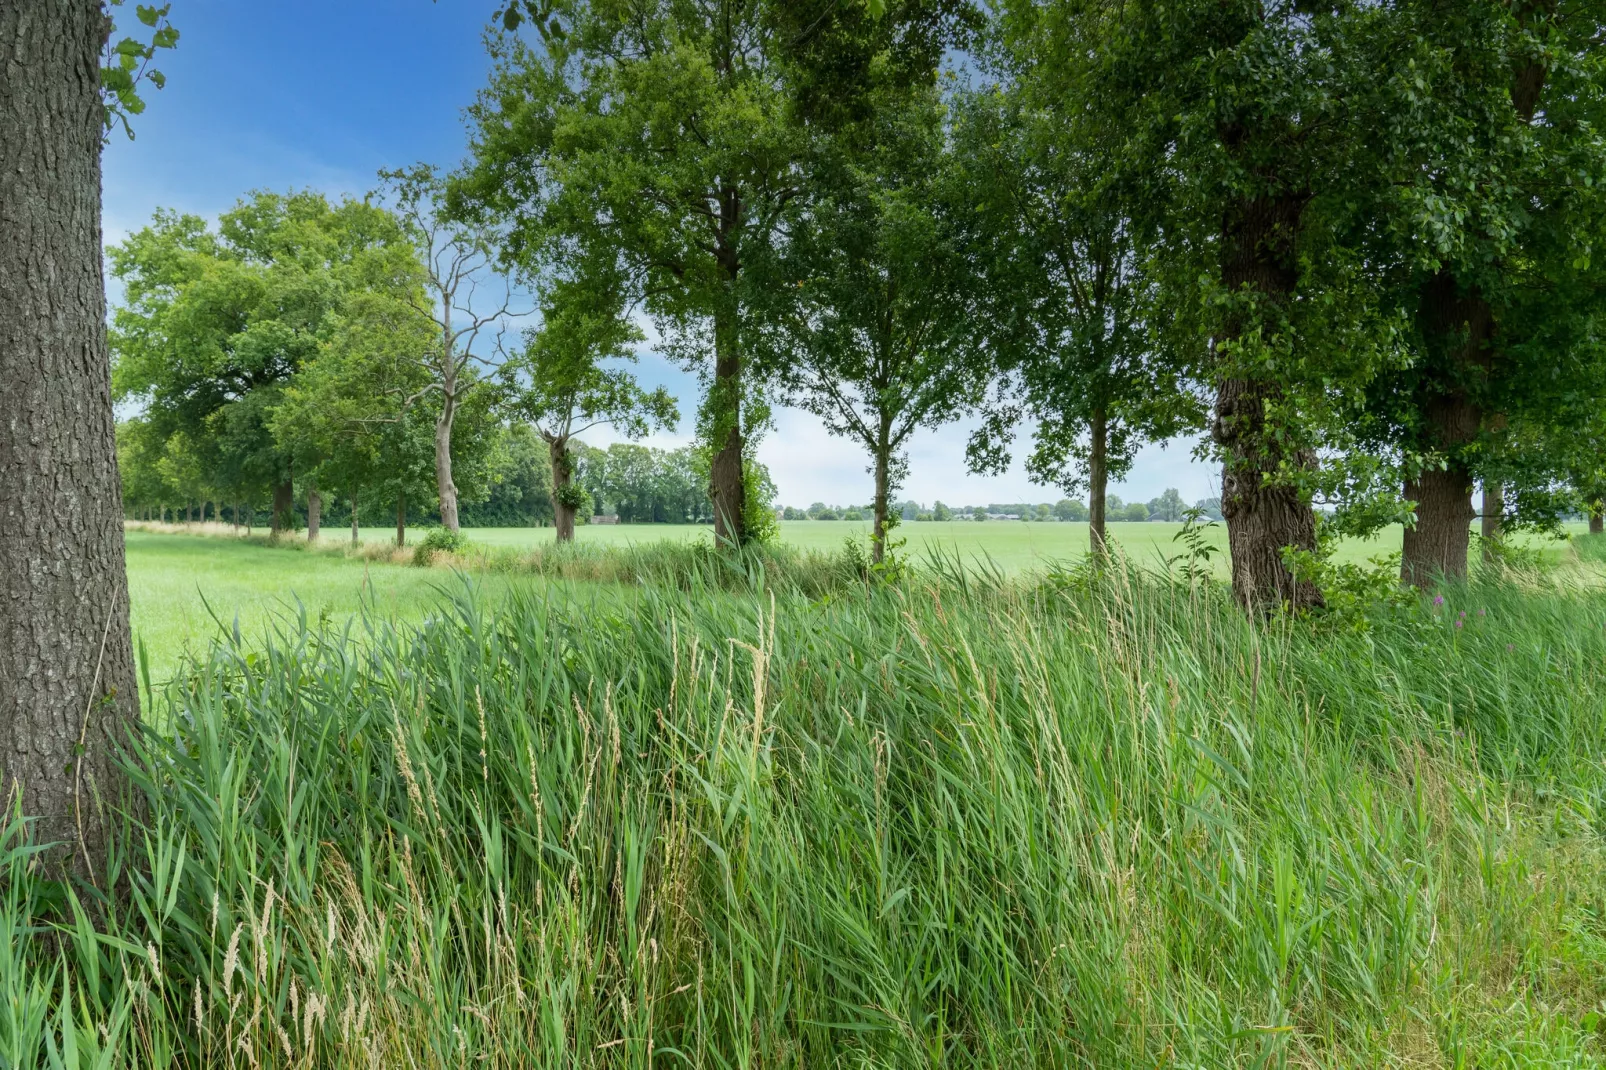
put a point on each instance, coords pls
(1435, 548)
(1263, 518)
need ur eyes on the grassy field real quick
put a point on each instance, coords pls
(1011, 545)
(177, 582)
(956, 822)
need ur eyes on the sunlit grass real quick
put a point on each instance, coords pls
(958, 821)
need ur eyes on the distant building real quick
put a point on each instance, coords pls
(612, 518)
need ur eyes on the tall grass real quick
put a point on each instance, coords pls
(1096, 821)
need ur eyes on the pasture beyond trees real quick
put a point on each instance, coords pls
(178, 582)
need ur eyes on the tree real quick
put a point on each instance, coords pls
(1069, 509)
(519, 483)
(559, 385)
(214, 326)
(1493, 232)
(348, 417)
(456, 258)
(869, 314)
(1169, 506)
(939, 511)
(1135, 513)
(1077, 314)
(657, 148)
(1250, 133)
(67, 687)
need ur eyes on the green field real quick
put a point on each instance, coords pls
(925, 823)
(1013, 546)
(178, 582)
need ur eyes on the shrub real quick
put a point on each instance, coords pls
(438, 541)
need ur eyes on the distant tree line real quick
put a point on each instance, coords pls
(1168, 506)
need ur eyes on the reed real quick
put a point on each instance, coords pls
(942, 819)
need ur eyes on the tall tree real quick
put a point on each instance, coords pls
(457, 262)
(1498, 225)
(654, 141)
(870, 312)
(66, 659)
(1242, 126)
(558, 384)
(1076, 313)
(214, 325)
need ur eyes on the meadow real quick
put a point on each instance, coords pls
(186, 589)
(954, 819)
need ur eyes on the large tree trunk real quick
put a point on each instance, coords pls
(444, 486)
(1494, 515)
(67, 690)
(878, 527)
(1264, 514)
(354, 532)
(1597, 522)
(284, 504)
(401, 520)
(726, 489)
(1098, 482)
(562, 474)
(1457, 328)
(314, 511)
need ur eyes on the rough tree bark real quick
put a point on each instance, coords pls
(67, 689)
(1458, 327)
(1494, 514)
(1597, 522)
(1098, 482)
(314, 511)
(1264, 515)
(562, 473)
(284, 504)
(727, 490)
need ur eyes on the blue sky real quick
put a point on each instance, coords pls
(321, 95)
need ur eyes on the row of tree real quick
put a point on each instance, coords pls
(1354, 244)
(1168, 506)
(510, 485)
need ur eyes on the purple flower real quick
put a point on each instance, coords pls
(1438, 599)
(1482, 612)
(1459, 623)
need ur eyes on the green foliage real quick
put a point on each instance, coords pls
(1091, 351)
(652, 154)
(867, 315)
(126, 64)
(438, 541)
(216, 328)
(759, 494)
